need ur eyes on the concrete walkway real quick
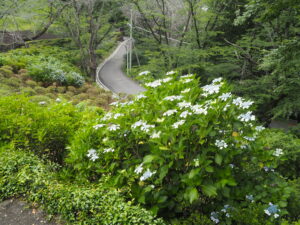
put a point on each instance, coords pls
(111, 76)
(16, 212)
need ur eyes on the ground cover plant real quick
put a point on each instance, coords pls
(179, 148)
(24, 175)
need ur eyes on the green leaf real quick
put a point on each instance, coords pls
(163, 148)
(148, 158)
(209, 190)
(193, 194)
(209, 169)
(218, 159)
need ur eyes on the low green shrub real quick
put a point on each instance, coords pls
(22, 174)
(42, 127)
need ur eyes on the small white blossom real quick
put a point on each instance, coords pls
(96, 127)
(170, 73)
(259, 128)
(170, 112)
(108, 150)
(147, 175)
(221, 144)
(185, 114)
(92, 154)
(211, 89)
(214, 217)
(140, 96)
(114, 127)
(225, 96)
(246, 117)
(154, 84)
(278, 152)
(142, 125)
(42, 103)
(187, 81)
(185, 91)
(155, 135)
(107, 116)
(58, 100)
(144, 73)
(241, 103)
(184, 104)
(199, 109)
(173, 98)
(139, 169)
(187, 76)
(267, 212)
(179, 123)
(249, 138)
(117, 115)
(165, 80)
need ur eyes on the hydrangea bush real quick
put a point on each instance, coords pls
(179, 146)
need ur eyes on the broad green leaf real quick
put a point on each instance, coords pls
(218, 159)
(148, 158)
(193, 194)
(209, 190)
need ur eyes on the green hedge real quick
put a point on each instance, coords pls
(23, 174)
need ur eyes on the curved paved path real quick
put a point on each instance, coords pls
(111, 76)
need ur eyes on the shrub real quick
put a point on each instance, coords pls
(285, 150)
(28, 91)
(178, 147)
(31, 83)
(6, 72)
(42, 128)
(23, 174)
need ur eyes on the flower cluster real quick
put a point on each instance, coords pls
(92, 154)
(272, 210)
(173, 98)
(221, 144)
(246, 117)
(278, 152)
(241, 103)
(144, 73)
(142, 125)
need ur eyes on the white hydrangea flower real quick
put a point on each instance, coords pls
(225, 96)
(113, 127)
(154, 84)
(155, 135)
(144, 73)
(214, 217)
(142, 125)
(117, 115)
(249, 138)
(278, 152)
(211, 89)
(185, 114)
(170, 73)
(241, 103)
(199, 109)
(92, 154)
(177, 124)
(185, 91)
(140, 96)
(165, 80)
(184, 104)
(96, 127)
(221, 144)
(139, 169)
(187, 76)
(147, 175)
(246, 117)
(259, 128)
(187, 81)
(173, 98)
(42, 103)
(107, 116)
(108, 150)
(170, 112)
